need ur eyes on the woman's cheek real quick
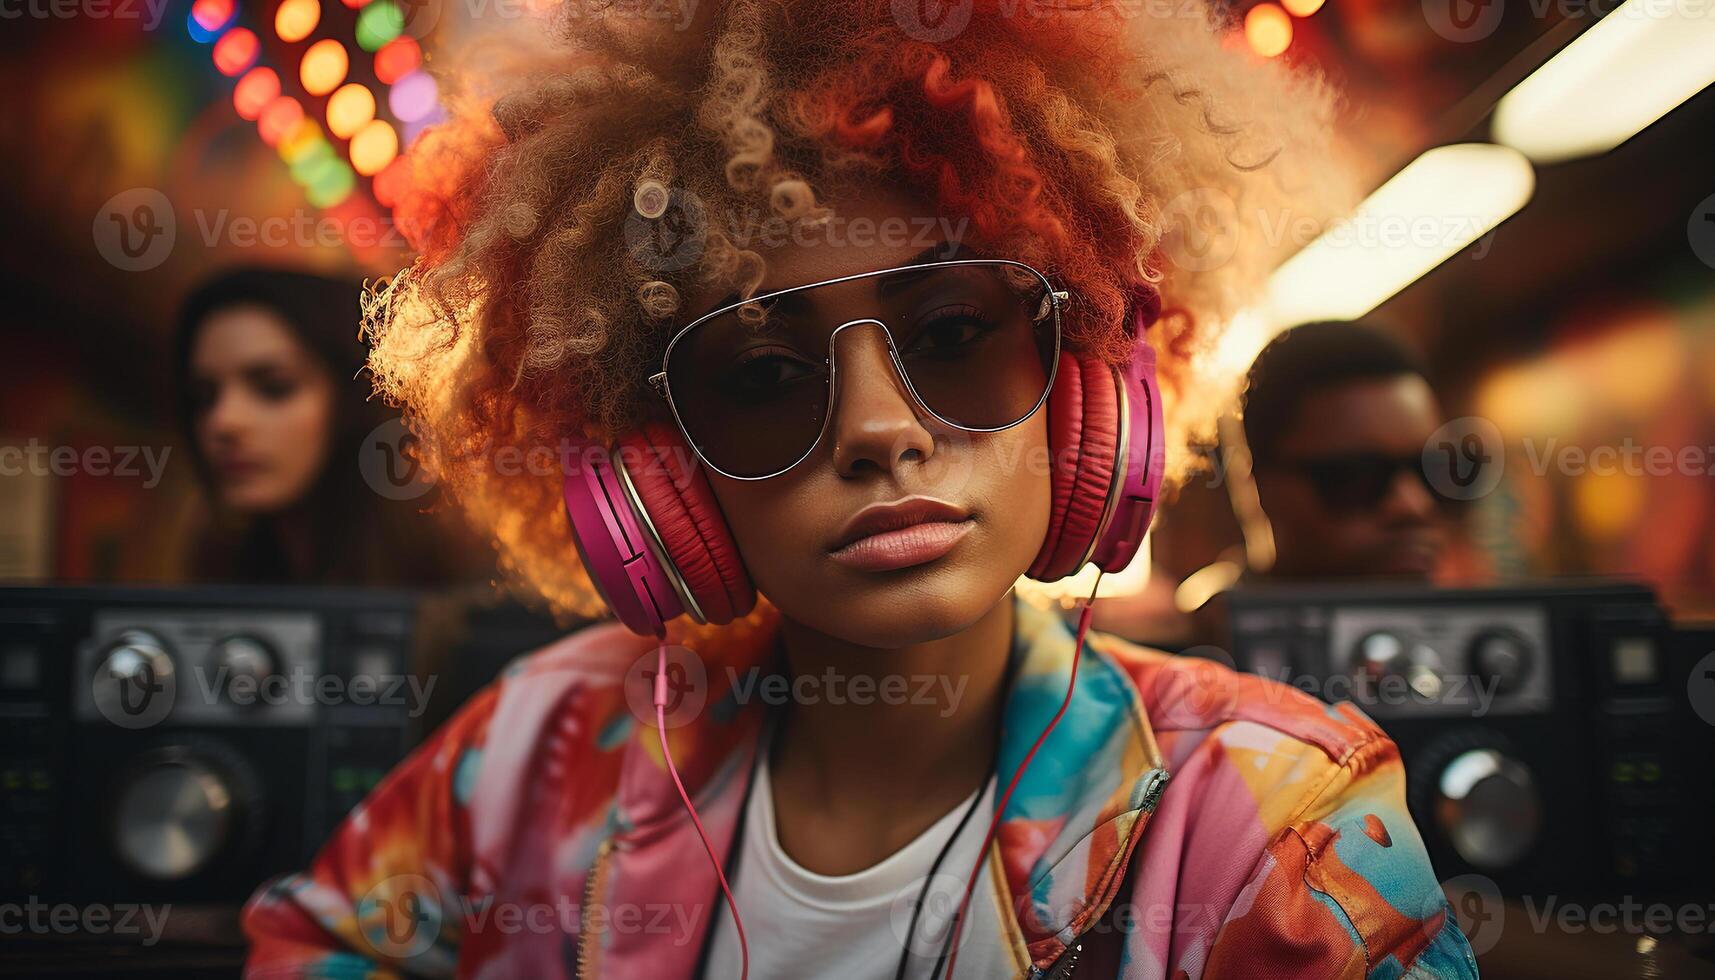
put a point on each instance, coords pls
(1018, 488)
(302, 439)
(774, 525)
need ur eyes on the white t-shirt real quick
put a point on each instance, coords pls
(853, 927)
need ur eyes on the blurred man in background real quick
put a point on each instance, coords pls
(1336, 416)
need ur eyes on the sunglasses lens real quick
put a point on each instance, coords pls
(977, 342)
(1355, 483)
(751, 402)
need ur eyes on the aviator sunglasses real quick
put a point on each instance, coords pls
(751, 384)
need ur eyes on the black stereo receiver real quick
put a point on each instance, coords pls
(182, 745)
(1558, 738)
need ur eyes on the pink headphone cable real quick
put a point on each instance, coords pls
(661, 729)
(1017, 774)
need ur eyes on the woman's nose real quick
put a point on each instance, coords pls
(875, 424)
(226, 417)
(223, 414)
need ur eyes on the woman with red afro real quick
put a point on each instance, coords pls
(796, 333)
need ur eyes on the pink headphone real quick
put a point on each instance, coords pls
(656, 546)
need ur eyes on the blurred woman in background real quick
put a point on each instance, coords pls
(279, 428)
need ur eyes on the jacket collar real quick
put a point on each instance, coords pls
(1066, 834)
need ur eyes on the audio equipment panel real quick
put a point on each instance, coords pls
(184, 745)
(1547, 733)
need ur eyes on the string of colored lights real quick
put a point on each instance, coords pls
(372, 144)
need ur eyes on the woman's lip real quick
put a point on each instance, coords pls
(238, 468)
(902, 548)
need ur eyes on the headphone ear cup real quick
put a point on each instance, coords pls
(681, 507)
(1083, 443)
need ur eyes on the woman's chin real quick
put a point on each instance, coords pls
(904, 607)
(255, 499)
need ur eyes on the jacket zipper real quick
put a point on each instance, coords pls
(1061, 968)
(591, 882)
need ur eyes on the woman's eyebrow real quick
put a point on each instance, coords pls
(946, 252)
(265, 368)
(957, 250)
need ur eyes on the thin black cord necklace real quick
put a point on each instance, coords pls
(770, 747)
(923, 893)
(905, 954)
(1000, 730)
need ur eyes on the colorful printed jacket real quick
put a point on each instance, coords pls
(538, 834)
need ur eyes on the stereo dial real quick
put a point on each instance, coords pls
(1487, 807)
(1502, 656)
(243, 663)
(183, 808)
(1386, 665)
(135, 683)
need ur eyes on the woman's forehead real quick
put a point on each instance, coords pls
(875, 230)
(245, 331)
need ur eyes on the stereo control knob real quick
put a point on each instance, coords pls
(1487, 807)
(243, 663)
(173, 819)
(1378, 655)
(185, 810)
(135, 683)
(1502, 656)
(1383, 656)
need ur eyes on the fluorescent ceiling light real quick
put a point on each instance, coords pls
(1630, 69)
(1441, 202)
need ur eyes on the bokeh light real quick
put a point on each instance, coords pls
(208, 17)
(236, 51)
(1268, 28)
(295, 19)
(303, 140)
(374, 147)
(396, 59)
(254, 91)
(380, 22)
(323, 67)
(1609, 501)
(1301, 8)
(413, 96)
(350, 109)
(278, 118)
(310, 165)
(332, 186)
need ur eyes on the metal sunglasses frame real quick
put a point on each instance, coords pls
(663, 387)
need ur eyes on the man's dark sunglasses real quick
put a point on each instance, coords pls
(1358, 481)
